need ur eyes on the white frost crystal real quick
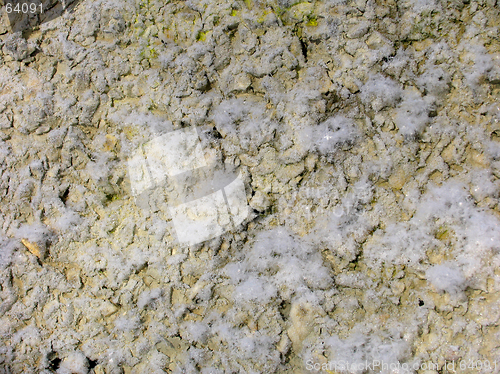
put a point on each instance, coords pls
(74, 363)
(446, 278)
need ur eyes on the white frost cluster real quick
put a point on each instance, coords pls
(74, 363)
(380, 92)
(446, 277)
(277, 264)
(413, 113)
(244, 123)
(329, 135)
(446, 209)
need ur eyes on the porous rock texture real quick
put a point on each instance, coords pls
(368, 137)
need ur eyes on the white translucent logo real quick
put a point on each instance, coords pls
(203, 202)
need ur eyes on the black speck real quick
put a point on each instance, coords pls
(54, 362)
(65, 195)
(92, 363)
(303, 46)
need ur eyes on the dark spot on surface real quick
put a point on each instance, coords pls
(54, 361)
(92, 363)
(216, 134)
(64, 195)
(303, 47)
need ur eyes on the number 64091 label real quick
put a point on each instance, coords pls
(477, 365)
(26, 15)
(25, 8)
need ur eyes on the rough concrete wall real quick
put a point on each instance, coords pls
(367, 134)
